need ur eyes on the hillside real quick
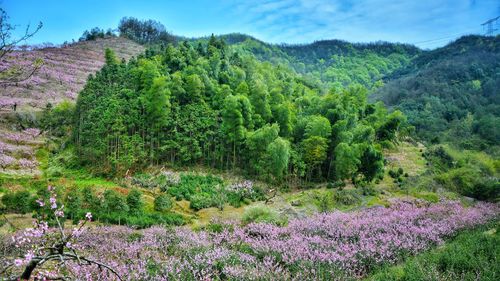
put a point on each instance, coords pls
(228, 158)
(333, 63)
(451, 94)
(63, 73)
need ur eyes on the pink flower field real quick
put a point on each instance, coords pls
(327, 246)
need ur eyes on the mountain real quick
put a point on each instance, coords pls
(451, 94)
(333, 63)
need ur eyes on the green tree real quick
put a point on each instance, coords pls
(318, 126)
(278, 155)
(315, 151)
(371, 163)
(346, 161)
(134, 202)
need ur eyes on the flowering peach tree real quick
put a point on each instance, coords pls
(48, 250)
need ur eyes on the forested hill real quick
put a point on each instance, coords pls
(451, 94)
(333, 63)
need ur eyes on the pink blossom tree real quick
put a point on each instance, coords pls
(32, 132)
(49, 250)
(27, 164)
(6, 160)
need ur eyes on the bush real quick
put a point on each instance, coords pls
(162, 203)
(347, 197)
(194, 184)
(471, 182)
(18, 202)
(259, 214)
(369, 190)
(201, 201)
(134, 201)
(142, 220)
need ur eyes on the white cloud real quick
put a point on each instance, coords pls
(300, 21)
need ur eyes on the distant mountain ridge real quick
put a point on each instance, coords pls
(451, 93)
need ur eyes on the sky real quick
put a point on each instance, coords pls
(425, 23)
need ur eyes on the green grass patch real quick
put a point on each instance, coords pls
(472, 255)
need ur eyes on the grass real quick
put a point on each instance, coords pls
(406, 156)
(472, 255)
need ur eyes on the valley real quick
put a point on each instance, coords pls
(141, 155)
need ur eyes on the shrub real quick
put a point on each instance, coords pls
(18, 202)
(347, 197)
(325, 202)
(201, 201)
(369, 190)
(193, 184)
(259, 214)
(134, 201)
(162, 203)
(470, 182)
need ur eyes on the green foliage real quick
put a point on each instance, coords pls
(450, 94)
(135, 202)
(190, 185)
(219, 106)
(258, 214)
(95, 33)
(144, 31)
(162, 203)
(472, 255)
(58, 121)
(18, 202)
(278, 156)
(470, 173)
(347, 161)
(347, 197)
(470, 182)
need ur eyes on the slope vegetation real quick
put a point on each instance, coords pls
(63, 73)
(451, 94)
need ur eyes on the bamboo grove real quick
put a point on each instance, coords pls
(205, 104)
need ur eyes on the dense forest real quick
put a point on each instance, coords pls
(451, 94)
(207, 104)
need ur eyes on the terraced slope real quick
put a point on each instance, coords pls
(63, 73)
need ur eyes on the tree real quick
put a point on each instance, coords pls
(110, 57)
(257, 144)
(194, 88)
(346, 161)
(233, 123)
(278, 155)
(134, 201)
(318, 126)
(51, 250)
(145, 31)
(388, 130)
(6, 160)
(371, 163)
(73, 204)
(314, 152)
(16, 73)
(114, 202)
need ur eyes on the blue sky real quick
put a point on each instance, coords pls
(426, 23)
